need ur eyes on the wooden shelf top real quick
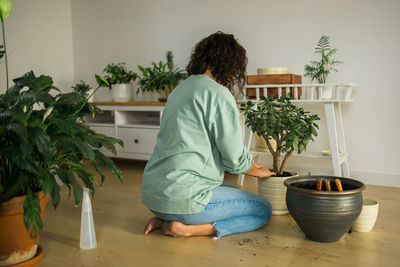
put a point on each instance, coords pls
(111, 103)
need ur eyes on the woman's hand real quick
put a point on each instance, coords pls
(260, 171)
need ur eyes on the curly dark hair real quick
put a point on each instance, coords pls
(224, 56)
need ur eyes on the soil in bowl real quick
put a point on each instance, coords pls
(312, 185)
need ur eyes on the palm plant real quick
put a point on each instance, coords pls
(319, 70)
(290, 126)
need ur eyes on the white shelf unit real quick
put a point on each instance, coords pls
(136, 125)
(313, 93)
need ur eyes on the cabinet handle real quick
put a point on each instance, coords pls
(136, 141)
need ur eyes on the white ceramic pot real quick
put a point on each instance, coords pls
(121, 92)
(325, 91)
(273, 190)
(367, 218)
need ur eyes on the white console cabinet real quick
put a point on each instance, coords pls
(135, 123)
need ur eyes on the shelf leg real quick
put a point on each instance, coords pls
(333, 137)
(342, 142)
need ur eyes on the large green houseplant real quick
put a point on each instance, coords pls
(42, 137)
(291, 128)
(161, 77)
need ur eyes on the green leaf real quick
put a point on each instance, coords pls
(15, 187)
(101, 81)
(109, 164)
(32, 220)
(64, 126)
(42, 142)
(5, 8)
(99, 171)
(19, 129)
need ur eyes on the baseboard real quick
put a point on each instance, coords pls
(383, 179)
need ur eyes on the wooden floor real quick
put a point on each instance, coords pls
(119, 219)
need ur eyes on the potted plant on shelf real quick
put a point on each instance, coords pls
(83, 89)
(42, 136)
(161, 77)
(286, 129)
(120, 80)
(319, 70)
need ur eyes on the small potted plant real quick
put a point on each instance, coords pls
(290, 128)
(319, 70)
(120, 80)
(84, 90)
(161, 77)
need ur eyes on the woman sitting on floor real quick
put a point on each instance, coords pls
(200, 137)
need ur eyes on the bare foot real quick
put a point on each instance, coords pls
(178, 229)
(175, 229)
(153, 224)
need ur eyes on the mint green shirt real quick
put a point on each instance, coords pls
(200, 137)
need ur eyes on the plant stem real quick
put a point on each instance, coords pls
(285, 159)
(5, 48)
(93, 93)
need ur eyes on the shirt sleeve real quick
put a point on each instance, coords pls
(226, 130)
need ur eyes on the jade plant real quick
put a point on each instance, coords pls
(279, 119)
(43, 136)
(160, 76)
(319, 70)
(119, 74)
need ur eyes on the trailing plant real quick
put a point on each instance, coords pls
(82, 88)
(290, 126)
(161, 76)
(118, 73)
(319, 70)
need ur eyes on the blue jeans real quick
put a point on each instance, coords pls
(230, 209)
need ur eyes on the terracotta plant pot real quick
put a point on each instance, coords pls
(322, 215)
(16, 245)
(273, 190)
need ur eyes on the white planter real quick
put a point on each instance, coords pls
(121, 92)
(367, 218)
(325, 91)
(273, 190)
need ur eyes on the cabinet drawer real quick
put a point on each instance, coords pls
(137, 140)
(106, 130)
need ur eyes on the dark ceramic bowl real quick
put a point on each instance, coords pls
(323, 216)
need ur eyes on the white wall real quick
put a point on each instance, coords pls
(39, 38)
(275, 33)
